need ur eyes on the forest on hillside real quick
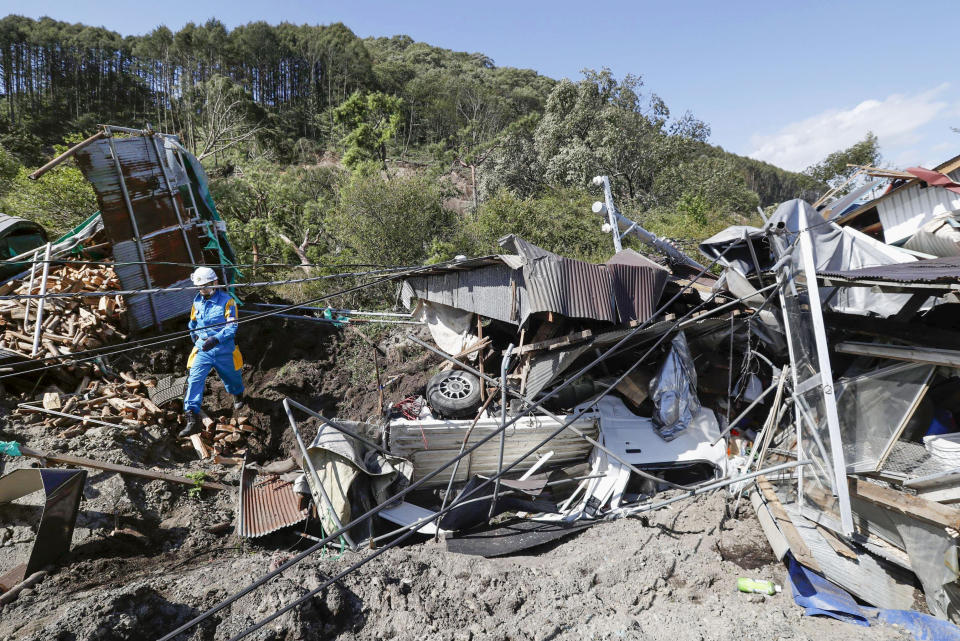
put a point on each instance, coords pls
(326, 146)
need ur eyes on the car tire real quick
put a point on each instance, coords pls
(454, 394)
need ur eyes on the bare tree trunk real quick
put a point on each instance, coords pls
(299, 250)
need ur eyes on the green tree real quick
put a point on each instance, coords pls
(266, 207)
(59, 200)
(835, 169)
(371, 121)
(391, 221)
(558, 221)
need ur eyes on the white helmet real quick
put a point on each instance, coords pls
(203, 276)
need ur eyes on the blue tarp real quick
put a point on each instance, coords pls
(818, 596)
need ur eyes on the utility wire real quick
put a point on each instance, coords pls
(153, 341)
(467, 452)
(122, 263)
(163, 290)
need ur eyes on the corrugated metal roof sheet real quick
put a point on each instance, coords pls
(492, 289)
(568, 287)
(266, 505)
(157, 190)
(511, 288)
(937, 270)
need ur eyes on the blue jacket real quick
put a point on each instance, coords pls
(213, 311)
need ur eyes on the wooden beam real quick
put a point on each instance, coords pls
(906, 504)
(79, 461)
(923, 355)
(797, 546)
(556, 343)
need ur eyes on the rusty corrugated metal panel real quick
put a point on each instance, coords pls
(158, 208)
(568, 287)
(267, 504)
(636, 290)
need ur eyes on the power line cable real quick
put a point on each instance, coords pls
(174, 336)
(467, 452)
(164, 290)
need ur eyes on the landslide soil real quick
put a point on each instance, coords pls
(143, 561)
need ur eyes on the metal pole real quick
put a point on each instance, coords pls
(753, 256)
(33, 268)
(504, 366)
(313, 472)
(826, 378)
(40, 303)
(133, 223)
(611, 211)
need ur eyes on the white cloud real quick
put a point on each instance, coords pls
(896, 121)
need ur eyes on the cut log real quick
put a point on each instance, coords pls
(51, 401)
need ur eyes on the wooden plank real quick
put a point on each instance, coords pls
(912, 506)
(839, 546)
(79, 461)
(797, 546)
(51, 401)
(923, 355)
(555, 343)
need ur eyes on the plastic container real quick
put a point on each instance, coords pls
(757, 586)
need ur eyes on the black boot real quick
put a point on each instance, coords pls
(239, 407)
(191, 426)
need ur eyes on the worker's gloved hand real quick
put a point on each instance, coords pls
(210, 343)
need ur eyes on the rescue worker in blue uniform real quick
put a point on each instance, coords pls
(213, 325)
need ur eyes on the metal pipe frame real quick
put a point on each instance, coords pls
(38, 325)
(133, 221)
(316, 477)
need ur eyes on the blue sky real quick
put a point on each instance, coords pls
(783, 82)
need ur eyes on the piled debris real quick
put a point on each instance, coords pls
(67, 324)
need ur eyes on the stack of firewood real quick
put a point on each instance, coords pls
(222, 440)
(69, 325)
(127, 405)
(95, 402)
(79, 323)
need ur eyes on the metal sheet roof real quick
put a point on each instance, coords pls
(937, 270)
(512, 287)
(266, 505)
(906, 210)
(169, 228)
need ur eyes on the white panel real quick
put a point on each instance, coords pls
(905, 211)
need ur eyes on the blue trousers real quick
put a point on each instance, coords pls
(228, 365)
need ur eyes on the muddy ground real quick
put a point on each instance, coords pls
(143, 562)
